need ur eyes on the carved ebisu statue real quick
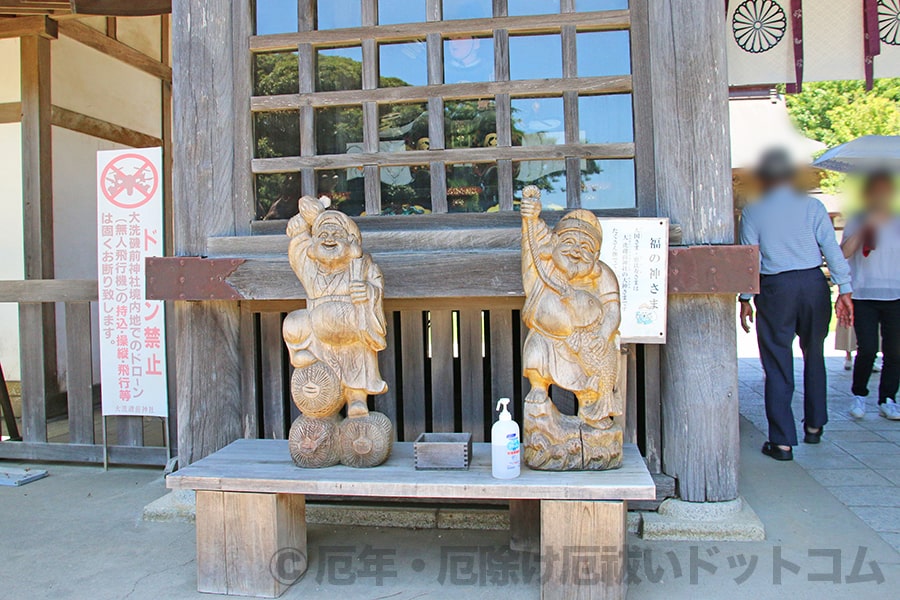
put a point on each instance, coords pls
(334, 342)
(572, 312)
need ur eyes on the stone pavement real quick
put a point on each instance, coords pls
(857, 461)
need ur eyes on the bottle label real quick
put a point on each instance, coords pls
(512, 443)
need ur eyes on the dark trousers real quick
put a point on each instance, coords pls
(788, 304)
(868, 317)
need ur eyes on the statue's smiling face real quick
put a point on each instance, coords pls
(332, 245)
(575, 253)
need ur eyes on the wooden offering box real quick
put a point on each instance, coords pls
(443, 451)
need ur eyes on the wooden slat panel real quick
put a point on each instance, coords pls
(472, 371)
(642, 99)
(631, 392)
(387, 363)
(79, 374)
(438, 173)
(10, 112)
(250, 393)
(652, 399)
(412, 353)
(442, 388)
(129, 431)
(210, 522)
(292, 164)
(505, 184)
(502, 373)
(49, 290)
(244, 198)
(272, 370)
(614, 84)
(372, 183)
(586, 21)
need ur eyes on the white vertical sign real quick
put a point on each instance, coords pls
(132, 329)
(637, 250)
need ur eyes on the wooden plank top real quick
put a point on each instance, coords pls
(266, 466)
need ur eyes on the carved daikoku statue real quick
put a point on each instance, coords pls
(572, 312)
(334, 342)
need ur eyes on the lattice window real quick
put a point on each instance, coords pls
(416, 106)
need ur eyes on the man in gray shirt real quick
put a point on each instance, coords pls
(793, 232)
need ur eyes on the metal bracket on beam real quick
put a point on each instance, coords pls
(191, 278)
(714, 270)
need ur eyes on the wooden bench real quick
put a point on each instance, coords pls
(251, 504)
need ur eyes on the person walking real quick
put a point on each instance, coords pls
(793, 232)
(871, 243)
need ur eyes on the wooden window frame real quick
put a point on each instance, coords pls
(567, 23)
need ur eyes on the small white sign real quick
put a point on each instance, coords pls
(637, 250)
(132, 329)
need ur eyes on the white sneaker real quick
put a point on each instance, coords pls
(858, 407)
(890, 410)
(848, 364)
(876, 366)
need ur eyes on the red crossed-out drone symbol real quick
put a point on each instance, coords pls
(129, 181)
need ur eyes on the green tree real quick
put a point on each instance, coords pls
(835, 112)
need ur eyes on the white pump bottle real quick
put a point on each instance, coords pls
(505, 445)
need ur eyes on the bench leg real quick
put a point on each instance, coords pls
(250, 544)
(525, 525)
(583, 548)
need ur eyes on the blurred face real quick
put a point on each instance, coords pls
(880, 193)
(332, 245)
(575, 254)
(465, 48)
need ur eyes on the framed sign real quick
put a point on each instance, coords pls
(132, 329)
(637, 250)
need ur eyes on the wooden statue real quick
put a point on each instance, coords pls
(334, 342)
(572, 312)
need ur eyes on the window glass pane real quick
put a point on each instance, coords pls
(548, 175)
(339, 130)
(276, 196)
(276, 16)
(537, 122)
(275, 73)
(605, 119)
(403, 127)
(532, 7)
(467, 9)
(277, 134)
(535, 57)
(403, 64)
(405, 190)
(339, 69)
(588, 5)
(607, 184)
(338, 14)
(470, 123)
(472, 187)
(401, 11)
(345, 187)
(468, 59)
(603, 53)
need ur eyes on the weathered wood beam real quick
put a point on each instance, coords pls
(698, 382)
(586, 21)
(337, 161)
(37, 323)
(87, 453)
(121, 8)
(10, 112)
(99, 41)
(38, 25)
(48, 290)
(612, 84)
(98, 128)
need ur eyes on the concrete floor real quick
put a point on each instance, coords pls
(78, 535)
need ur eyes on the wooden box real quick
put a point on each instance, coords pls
(450, 451)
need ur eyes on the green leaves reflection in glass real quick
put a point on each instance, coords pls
(470, 123)
(472, 187)
(339, 69)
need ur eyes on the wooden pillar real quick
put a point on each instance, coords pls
(37, 322)
(208, 199)
(698, 364)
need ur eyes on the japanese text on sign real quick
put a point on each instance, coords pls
(637, 250)
(132, 329)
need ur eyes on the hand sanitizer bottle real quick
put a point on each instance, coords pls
(505, 447)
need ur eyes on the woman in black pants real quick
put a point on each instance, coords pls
(872, 247)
